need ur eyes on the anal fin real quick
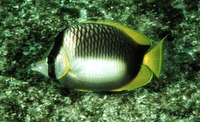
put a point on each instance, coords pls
(144, 76)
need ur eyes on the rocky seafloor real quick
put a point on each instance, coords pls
(29, 27)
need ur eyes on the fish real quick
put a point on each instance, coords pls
(96, 56)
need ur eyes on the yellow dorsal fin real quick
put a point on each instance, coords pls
(153, 59)
(144, 76)
(135, 35)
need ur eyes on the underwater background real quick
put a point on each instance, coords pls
(29, 27)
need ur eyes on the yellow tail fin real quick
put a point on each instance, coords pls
(153, 59)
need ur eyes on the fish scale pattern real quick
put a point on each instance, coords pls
(99, 41)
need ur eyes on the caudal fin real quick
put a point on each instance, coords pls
(153, 59)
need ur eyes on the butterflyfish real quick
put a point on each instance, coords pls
(101, 56)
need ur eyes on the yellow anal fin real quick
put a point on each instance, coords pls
(83, 90)
(144, 76)
(153, 59)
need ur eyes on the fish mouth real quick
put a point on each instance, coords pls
(40, 66)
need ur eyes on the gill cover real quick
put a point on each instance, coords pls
(61, 65)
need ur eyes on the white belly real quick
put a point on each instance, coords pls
(99, 70)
